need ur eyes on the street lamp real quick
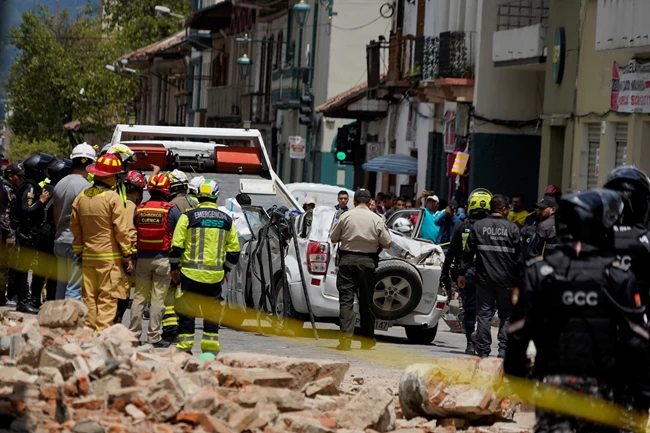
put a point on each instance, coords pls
(301, 10)
(245, 64)
(166, 11)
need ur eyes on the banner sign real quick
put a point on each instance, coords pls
(631, 87)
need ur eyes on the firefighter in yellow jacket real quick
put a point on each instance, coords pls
(102, 240)
(205, 246)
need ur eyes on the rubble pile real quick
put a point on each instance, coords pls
(461, 390)
(58, 376)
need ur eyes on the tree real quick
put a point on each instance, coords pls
(139, 23)
(59, 56)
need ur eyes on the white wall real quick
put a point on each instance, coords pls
(345, 65)
(502, 93)
(622, 24)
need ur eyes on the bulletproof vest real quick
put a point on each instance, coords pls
(579, 333)
(6, 197)
(632, 245)
(28, 221)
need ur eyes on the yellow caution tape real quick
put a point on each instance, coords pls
(543, 396)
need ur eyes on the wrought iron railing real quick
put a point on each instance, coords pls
(522, 13)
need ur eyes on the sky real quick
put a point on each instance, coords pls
(10, 15)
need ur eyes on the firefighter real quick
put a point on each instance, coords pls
(183, 197)
(582, 309)
(127, 157)
(134, 184)
(29, 214)
(12, 177)
(205, 247)
(179, 196)
(478, 208)
(155, 221)
(102, 240)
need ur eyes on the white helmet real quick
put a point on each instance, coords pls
(83, 150)
(403, 225)
(194, 184)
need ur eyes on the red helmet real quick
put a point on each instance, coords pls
(553, 190)
(136, 179)
(107, 165)
(159, 183)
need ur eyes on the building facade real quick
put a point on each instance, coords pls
(595, 115)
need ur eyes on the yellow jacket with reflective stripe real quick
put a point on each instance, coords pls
(205, 244)
(101, 227)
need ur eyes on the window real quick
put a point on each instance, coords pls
(411, 126)
(593, 161)
(621, 144)
(220, 70)
(278, 51)
(270, 53)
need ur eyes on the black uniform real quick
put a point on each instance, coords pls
(451, 265)
(584, 314)
(30, 214)
(7, 254)
(632, 244)
(538, 239)
(493, 243)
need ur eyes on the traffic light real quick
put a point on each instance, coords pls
(348, 144)
(307, 110)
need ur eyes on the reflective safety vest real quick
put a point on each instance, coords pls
(205, 244)
(151, 221)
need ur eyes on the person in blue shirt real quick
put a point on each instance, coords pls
(447, 221)
(430, 230)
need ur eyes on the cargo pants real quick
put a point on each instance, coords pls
(356, 277)
(486, 298)
(151, 279)
(187, 323)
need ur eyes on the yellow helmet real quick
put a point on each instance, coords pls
(479, 200)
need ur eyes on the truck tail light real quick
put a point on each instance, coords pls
(318, 257)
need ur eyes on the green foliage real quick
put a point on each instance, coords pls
(21, 148)
(138, 22)
(57, 58)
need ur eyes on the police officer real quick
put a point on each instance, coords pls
(478, 208)
(11, 179)
(494, 242)
(205, 247)
(631, 233)
(361, 234)
(582, 309)
(30, 213)
(539, 237)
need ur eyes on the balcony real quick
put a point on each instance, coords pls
(224, 102)
(623, 25)
(286, 87)
(521, 37)
(444, 67)
(256, 107)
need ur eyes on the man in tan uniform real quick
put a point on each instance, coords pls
(103, 241)
(361, 234)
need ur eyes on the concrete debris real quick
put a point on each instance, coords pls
(460, 389)
(58, 376)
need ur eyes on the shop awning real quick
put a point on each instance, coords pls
(393, 164)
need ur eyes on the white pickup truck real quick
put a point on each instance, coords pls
(406, 292)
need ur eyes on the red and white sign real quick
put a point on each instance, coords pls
(631, 87)
(296, 148)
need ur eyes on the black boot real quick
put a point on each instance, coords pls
(470, 349)
(24, 307)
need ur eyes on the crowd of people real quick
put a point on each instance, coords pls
(89, 211)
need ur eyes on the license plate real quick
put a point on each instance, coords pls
(380, 325)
